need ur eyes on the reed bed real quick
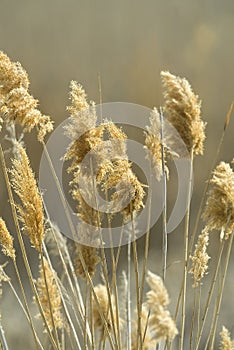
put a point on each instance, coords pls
(85, 298)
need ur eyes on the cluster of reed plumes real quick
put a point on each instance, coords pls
(78, 312)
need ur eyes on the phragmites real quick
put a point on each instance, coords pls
(83, 134)
(31, 210)
(16, 104)
(153, 144)
(6, 240)
(200, 258)
(104, 306)
(116, 174)
(160, 321)
(226, 342)
(183, 109)
(148, 339)
(50, 299)
(219, 210)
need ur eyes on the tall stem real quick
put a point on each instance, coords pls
(186, 234)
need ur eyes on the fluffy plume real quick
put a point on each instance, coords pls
(160, 322)
(153, 144)
(84, 136)
(31, 211)
(183, 108)
(16, 104)
(219, 210)
(148, 339)
(200, 257)
(226, 342)
(102, 296)
(54, 296)
(6, 240)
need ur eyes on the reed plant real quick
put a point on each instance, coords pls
(85, 298)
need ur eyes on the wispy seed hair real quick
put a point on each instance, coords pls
(184, 108)
(219, 209)
(16, 104)
(6, 240)
(200, 257)
(54, 296)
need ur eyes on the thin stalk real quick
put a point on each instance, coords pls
(129, 325)
(22, 247)
(3, 341)
(103, 261)
(86, 317)
(114, 275)
(210, 293)
(193, 318)
(219, 300)
(198, 216)
(186, 238)
(91, 320)
(80, 255)
(164, 214)
(70, 322)
(136, 267)
(37, 341)
(227, 120)
(49, 301)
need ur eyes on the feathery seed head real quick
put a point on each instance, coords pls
(54, 296)
(31, 209)
(160, 321)
(219, 209)
(200, 257)
(183, 108)
(16, 104)
(6, 240)
(12, 75)
(226, 342)
(153, 144)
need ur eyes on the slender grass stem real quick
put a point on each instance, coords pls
(210, 293)
(136, 267)
(80, 255)
(164, 214)
(22, 247)
(129, 325)
(219, 298)
(186, 239)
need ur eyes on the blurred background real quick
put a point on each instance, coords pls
(127, 43)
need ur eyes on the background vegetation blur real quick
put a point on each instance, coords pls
(128, 43)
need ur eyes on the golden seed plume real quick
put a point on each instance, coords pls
(116, 174)
(102, 296)
(6, 240)
(91, 259)
(200, 257)
(148, 339)
(17, 105)
(226, 342)
(161, 323)
(183, 108)
(153, 144)
(84, 137)
(219, 209)
(54, 295)
(31, 209)
(12, 75)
